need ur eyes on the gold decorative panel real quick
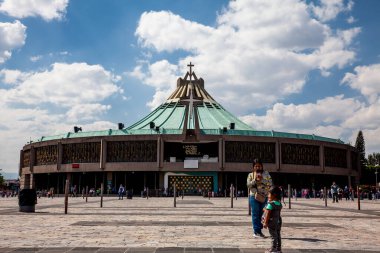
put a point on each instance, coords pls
(246, 152)
(26, 158)
(46, 155)
(191, 184)
(88, 152)
(335, 157)
(299, 154)
(132, 151)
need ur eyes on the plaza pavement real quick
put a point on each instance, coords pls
(197, 224)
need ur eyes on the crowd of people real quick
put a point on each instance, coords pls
(8, 193)
(335, 193)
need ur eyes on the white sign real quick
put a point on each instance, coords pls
(190, 164)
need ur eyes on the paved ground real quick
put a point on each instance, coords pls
(196, 225)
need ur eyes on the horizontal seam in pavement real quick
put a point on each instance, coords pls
(368, 212)
(168, 249)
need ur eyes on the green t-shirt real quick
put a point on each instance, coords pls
(270, 207)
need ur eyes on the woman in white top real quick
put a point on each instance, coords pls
(259, 182)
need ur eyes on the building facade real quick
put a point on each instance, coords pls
(189, 140)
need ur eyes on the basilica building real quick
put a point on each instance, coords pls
(190, 140)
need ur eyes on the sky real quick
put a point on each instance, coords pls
(300, 66)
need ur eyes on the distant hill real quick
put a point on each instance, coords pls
(9, 175)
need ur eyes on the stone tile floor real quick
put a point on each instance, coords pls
(196, 225)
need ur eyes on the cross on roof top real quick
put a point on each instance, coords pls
(190, 65)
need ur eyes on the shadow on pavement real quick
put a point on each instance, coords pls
(303, 239)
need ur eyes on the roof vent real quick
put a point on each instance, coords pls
(151, 125)
(157, 128)
(232, 125)
(224, 129)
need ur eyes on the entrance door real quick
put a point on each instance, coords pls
(192, 185)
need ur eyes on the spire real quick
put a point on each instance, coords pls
(190, 73)
(190, 88)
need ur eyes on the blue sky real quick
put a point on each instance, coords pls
(299, 66)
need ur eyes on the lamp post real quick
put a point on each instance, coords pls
(377, 186)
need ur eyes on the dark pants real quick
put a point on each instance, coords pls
(275, 233)
(120, 195)
(335, 197)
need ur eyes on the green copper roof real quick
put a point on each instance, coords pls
(190, 106)
(214, 116)
(166, 116)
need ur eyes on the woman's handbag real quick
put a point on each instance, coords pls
(259, 197)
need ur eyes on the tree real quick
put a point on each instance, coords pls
(1, 180)
(374, 160)
(360, 147)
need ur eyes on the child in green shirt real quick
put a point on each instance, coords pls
(272, 219)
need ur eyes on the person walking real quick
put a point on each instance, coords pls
(121, 191)
(352, 193)
(259, 182)
(334, 192)
(75, 191)
(346, 193)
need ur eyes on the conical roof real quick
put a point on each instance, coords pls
(190, 106)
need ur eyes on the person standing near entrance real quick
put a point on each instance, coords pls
(121, 191)
(259, 183)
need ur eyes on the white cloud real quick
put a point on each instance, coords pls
(305, 117)
(50, 102)
(367, 118)
(13, 76)
(259, 51)
(372, 140)
(64, 85)
(351, 20)
(161, 75)
(21, 125)
(12, 36)
(35, 58)
(330, 9)
(366, 80)
(158, 98)
(86, 112)
(170, 22)
(335, 117)
(335, 51)
(46, 9)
